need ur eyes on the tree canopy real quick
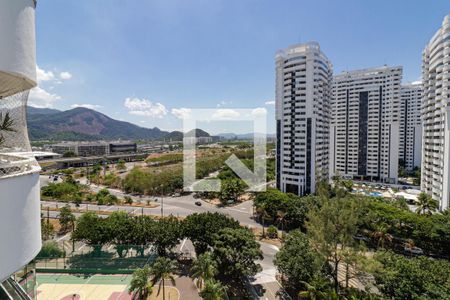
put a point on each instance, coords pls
(236, 251)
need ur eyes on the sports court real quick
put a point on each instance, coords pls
(74, 287)
(101, 287)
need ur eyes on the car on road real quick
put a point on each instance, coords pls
(413, 250)
(198, 203)
(360, 237)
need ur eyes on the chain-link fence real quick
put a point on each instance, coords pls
(119, 259)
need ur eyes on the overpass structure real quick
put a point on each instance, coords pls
(76, 162)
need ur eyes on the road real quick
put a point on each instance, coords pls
(264, 282)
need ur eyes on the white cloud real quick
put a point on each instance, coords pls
(65, 75)
(181, 113)
(90, 106)
(259, 112)
(224, 103)
(225, 114)
(144, 107)
(41, 98)
(271, 102)
(43, 75)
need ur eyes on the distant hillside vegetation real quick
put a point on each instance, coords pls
(84, 124)
(87, 124)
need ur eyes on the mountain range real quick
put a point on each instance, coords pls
(87, 124)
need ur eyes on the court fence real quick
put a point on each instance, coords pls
(98, 260)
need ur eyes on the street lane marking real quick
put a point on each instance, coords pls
(182, 245)
(64, 236)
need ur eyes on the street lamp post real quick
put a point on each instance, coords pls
(162, 201)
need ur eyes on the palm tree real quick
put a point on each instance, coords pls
(140, 285)
(162, 270)
(426, 204)
(213, 290)
(381, 235)
(314, 290)
(6, 124)
(204, 268)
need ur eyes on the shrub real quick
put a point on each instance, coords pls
(50, 249)
(128, 200)
(272, 232)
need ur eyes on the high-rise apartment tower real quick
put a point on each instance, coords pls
(364, 132)
(410, 151)
(303, 95)
(436, 116)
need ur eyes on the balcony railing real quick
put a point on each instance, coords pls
(15, 164)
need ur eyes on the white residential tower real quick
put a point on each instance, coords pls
(364, 132)
(436, 116)
(303, 95)
(410, 151)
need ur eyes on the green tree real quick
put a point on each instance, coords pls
(92, 230)
(121, 230)
(231, 189)
(331, 228)
(140, 285)
(167, 233)
(381, 235)
(236, 252)
(316, 289)
(296, 261)
(50, 249)
(412, 278)
(47, 229)
(121, 165)
(142, 232)
(66, 218)
(430, 232)
(204, 268)
(285, 210)
(272, 232)
(201, 227)
(213, 290)
(69, 154)
(425, 204)
(102, 196)
(128, 200)
(162, 270)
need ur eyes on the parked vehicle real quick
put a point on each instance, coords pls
(413, 250)
(198, 203)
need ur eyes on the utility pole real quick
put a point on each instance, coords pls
(162, 201)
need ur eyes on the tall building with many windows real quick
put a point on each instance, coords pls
(364, 132)
(436, 116)
(303, 95)
(410, 148)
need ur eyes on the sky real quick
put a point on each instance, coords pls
(149, 61)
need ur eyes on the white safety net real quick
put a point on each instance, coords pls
(14, 136)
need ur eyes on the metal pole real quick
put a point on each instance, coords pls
(162, 201)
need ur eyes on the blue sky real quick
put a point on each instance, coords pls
(142, 60)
